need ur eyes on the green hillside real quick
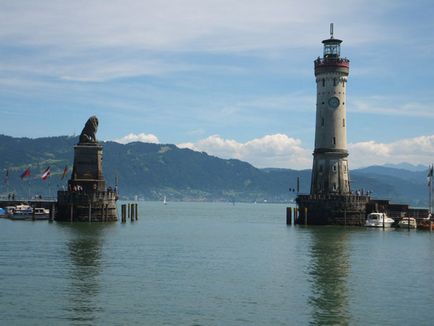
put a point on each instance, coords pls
(152, 171)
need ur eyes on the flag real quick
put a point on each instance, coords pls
(26, 173)
(65, 172)
(46, 174)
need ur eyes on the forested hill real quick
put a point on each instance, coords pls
(152, 171)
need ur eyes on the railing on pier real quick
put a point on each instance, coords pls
(350, 198)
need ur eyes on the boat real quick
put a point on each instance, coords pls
(407, 223)
(22, 212)
(165, 200)
(379, 220)
(41, 214)
(26, 212)
(426, 224)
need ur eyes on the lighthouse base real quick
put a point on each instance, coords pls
(332, 209)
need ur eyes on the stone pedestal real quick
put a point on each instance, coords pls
(87, 199)
(87, 170)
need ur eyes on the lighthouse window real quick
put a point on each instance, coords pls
(334, 140)
(322, 122)
(334, 81)
(343, 122)
(323, 82)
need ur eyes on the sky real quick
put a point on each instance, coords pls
(232, 78)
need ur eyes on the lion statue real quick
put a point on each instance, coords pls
(88, 135)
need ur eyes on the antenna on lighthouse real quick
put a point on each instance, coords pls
(331, 30)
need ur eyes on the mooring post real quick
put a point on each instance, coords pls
(71, 212)
(305, 216)
(51, 213)
(137, 211)
(288, 215)
(90, 212)
(33, 212)
(123, 213)
(131, 212)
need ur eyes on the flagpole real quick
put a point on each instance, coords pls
(430, 188)
(28, 189)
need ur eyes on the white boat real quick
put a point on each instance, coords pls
(164, 201)
(22, 212)
(379, 220)
(41, 214)
(407, 223)
(25, 212)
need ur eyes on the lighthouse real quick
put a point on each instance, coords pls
(330, 157)
(330, 200)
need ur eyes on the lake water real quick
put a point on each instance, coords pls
(213, 264)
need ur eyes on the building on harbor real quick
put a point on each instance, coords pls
(331, 200)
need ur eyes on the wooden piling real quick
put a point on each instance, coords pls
(288, 215)
(124, 213)
(130, 210)
(345, 217)
(51, 216)
(137, 211)
(305, 216)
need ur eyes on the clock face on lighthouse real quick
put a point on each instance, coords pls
(333, 102)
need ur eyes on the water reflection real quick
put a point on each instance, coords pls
(85, 252)
(328, 273)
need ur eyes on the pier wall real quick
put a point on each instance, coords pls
(99, 206)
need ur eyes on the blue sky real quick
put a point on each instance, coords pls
(232, 78)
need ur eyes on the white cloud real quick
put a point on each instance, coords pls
(281, 151)
(392, 105)
(102, 40)
(142, 137)
(268, 151)
(418, 150)
(173, 25)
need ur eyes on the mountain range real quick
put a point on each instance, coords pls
(152, 171)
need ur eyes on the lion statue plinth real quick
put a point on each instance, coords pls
(88, 135)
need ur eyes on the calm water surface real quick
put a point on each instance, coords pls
(213, 264)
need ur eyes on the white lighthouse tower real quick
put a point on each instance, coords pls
(330, 200)
(330, 163)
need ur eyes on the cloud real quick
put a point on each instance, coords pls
(142, 137)
(418, 150)
(103, 40)
(281, 151)
(392, 105)
(276, 150)
(173, 25)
